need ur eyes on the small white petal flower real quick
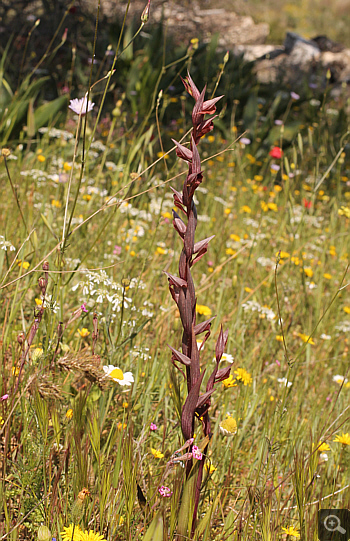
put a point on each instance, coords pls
(78, 106)
(285, 382)
(340, 379)
(117, 375)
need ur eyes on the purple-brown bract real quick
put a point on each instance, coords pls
(182, 287)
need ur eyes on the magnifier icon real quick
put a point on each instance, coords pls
(332, 523)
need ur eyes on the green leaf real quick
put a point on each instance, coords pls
(155, 530)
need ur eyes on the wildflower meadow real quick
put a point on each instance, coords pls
(174, 284)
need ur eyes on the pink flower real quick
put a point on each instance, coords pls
(117, 250)
(153, 426)
(83, 307)
(165, 491)
(294, 96)
(4, 397)
(196, 453)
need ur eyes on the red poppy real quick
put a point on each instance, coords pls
(307, 204)
(276, 152)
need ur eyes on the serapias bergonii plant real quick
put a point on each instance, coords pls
(183, 292)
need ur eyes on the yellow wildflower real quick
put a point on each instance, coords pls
(309, 272)
(279, 338)
(41, 158)
(203, 310)
(83, 332)
(156, 454)
(229, 382)
(246, 209)
(69, 414)
(291, 531)
(327, 276)
(344, 439)
(323, 447)
(244, 376)
(234, 237)
(306, 338)
(346, 309)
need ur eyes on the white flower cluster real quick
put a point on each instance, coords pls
(58, 134)
(6, 244)
(263, 311)
(99, 287)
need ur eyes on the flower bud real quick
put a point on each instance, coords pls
(21, 338)
(5, 152)
(44, 533)
(145, 13)
(46, 266)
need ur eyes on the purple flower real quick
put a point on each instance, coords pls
(196, 453)
(83, 307)
(153, 426)
(278, 122)
(275, 167)
(278, 363)
(78, 106)
(294, 96)
(165, 491)
(4, 397)
(245, 141)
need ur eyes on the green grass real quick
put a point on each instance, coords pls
(280, 251)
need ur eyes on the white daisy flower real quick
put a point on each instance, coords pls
(340, 379)
(116, 374)
(78, 106)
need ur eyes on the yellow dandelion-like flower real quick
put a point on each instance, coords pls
(160, 250)
(291, 531)
(327, 276)
(323, 447)
(203, 310)
(38, 302)
(258, 178)
(245, 209)
(229, 382)
(283, 255)
(235, 237)
(211, 138)
(67, 534)
(344, 439)
(346, 309)
(41, 158)
(306, 338)
(279, 338)
(83, 332)
(69, 414)
(244, 376)
(309, 272)
(157, 454)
